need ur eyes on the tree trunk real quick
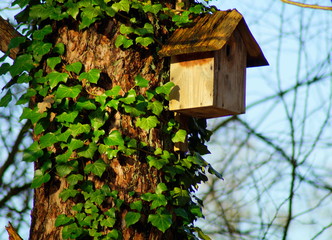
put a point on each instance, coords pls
(95, 48)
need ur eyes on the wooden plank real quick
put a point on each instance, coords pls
(193, 77)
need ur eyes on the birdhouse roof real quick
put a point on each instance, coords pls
(210, 33)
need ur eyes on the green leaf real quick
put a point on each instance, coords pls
(97, 197)
(153, 8)
(122, 40)
(6, 99)
(161, 187)
(114, 139)
(129, 98)
(114, 92)
(114, 234)
(97, 168)
(32, 114)
(75, 144)
(53, 61)
(182, 213)
(156, 107)
(144, 41)
(59, 48)
(108, 222)
(98, 118)
(132, 218)
(181, 196)
(40, 34)
(4, 68)
(67, 193)
(88, 151)
(71, 231)
(156, 162)
(165, 89)
(71, 92)
(40, 49)
(180, 136)
(214, 172)
(196, 210)
(15, 42)
(79, 128)
(201, 234)
(48, 140)
(72, 8)
(73, 179)
(22, 63)
(137, 205)
(67, 117)
(161, 220)
(39, 178)
(126, 29)
(141, 82)
(63, 169)
(74, 67)
(62, 220)
(32, 153)
(63, 158)
(78, 207)
(92, 76)
(158, 200)
(147, 123)
(123, 5)
(84, 103)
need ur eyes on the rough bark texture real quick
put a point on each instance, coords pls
(95, 49)
(7, 32)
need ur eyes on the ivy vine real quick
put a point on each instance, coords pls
(61, 102)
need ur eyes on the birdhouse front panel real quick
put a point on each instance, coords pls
(193, 76)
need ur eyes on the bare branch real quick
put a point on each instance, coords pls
(307, 5)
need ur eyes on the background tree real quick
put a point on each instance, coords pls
(276, 158)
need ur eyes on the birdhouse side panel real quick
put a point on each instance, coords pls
(230, 75)
(193, 76)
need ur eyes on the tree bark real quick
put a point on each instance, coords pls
(95, 48)
(7, 32)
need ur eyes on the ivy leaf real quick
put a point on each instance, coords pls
(53, 61)
(88, 151)
(59, 48)
(132, 218)
(156, 107)
(123, 5)
(97, 168)
(73, 179)
(181, 196)
(92, 76)
(48, 140)
(122, 40)
(114, 139)
(114, 92)
(67, 193)
(126, 29)
(62, 220)
(79, 128)
(15, 42)
(161, 187)
(71, 92)
(165, 89)
(156, 162)
(153, 8)
(114, 234)
(97, 197)
(40, 34)
(22, 63)
(71, 231)
(4, 68)
(74, 67)
(201, 234)
(137, 205)
(214, 172)
(39, 178)
(180, 136)
(161, 220)
(55, 78)
(98, 118)
(63, 169)
(32, 153)
(108, 222)
(6, 99)
(84, 103)
(32, 114)
(67, 117)
(141, 82)
(129, 98)
(158, 200)
(147, 123)
(63, 158)
(144, 41)
(75, 144)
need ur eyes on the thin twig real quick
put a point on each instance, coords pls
(304, 5)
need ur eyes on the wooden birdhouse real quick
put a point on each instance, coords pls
(208, 65)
